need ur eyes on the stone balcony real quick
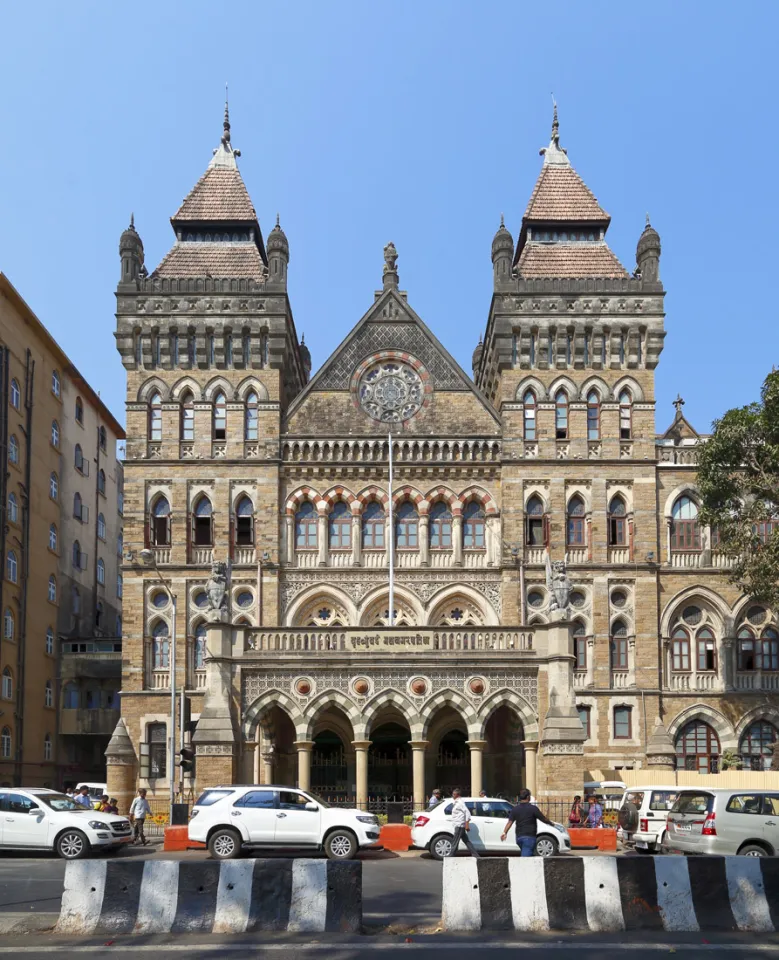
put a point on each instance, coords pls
(685, 682)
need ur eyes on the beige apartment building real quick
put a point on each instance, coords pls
(61, 500)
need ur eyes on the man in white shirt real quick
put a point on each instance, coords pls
(83, 799)
(139, 810)
(461, 821)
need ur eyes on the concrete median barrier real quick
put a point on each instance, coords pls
(612, 894)
(233, 896)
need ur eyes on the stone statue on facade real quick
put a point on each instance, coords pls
(390, 258)
(216, 591)
(558, 584)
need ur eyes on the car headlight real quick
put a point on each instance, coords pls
(97, 825)
(373, 820)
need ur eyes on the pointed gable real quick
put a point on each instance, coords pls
(221, 195)
(564, 227)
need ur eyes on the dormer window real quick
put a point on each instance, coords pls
(235, 236)
(577, 235)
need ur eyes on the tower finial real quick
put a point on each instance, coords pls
(555, 122)
(647, 221)
(502, 222)
(278, 224)
(678, 403)
(132, 221)
(226, 124)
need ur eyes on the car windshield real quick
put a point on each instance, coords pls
(60, 803)
(317, 799)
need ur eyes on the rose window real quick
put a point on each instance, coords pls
(391, 391)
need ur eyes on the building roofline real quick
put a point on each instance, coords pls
(67, 365)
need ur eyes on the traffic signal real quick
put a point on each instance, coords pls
(187, 761)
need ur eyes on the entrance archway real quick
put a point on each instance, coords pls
(504, 755)
(329, 767)
(450, 758)
(389, 762)
(277, 738)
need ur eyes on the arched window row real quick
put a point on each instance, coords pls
(562, 400)
(200, 522)
(219, 419)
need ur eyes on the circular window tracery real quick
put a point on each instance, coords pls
(390, 391)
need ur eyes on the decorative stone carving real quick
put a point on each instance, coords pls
(558, 584)
(361, 686)
(216, 591)
(418, 686)
(476, 686)
(390, 391)
(214, 749)
(303, 687)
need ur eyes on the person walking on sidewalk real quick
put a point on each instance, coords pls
(461, 821)
(595, 814)
(139, 810)
(525, 816)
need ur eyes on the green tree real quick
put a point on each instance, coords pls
(738, 477)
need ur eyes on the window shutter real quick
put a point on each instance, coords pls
(190, 522)
(546, 530)
(588, 534)
(630, 538)
(232, 536)
(169, 530)
(146, 533)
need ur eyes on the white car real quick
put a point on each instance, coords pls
(642, 817)
(433, 830)
(230, 818)
(38, 819)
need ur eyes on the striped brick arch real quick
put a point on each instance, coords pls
(298, 497)
(408, 493)
(338, 493)
(481, 496)
(445, 495)
(364, 497)
(331, 698)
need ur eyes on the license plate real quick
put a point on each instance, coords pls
(641, 845)
(683, 828)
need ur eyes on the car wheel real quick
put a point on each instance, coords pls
(441, 846)
(224, 844)
(752, 850)
(546, 846)
(72, 845)
(341, 845)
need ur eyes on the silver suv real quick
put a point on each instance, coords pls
(720, 821)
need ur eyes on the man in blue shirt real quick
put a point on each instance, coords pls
(525, 815)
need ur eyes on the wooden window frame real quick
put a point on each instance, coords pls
(593, 416)
(703, 637)
(407, 528)
(561, 412)
(339, 528)
(439, 531)
(373, 528)
(529, 422)
(308, 525)
(618, 708)
(680, 638)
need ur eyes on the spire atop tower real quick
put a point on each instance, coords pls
(225, 155)
(555, 122)
(226, 123)
(554, 154)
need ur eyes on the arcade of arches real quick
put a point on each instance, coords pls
(390, 765)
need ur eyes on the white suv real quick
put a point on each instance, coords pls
(642, 817)
(229, 818)
(433, 830)
(38, 819)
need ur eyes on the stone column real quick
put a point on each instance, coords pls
(418, 770)
(289, 529)
(249, 765)
(424, 540)
(267, 766)
(214, 739)
(121, 767)
(728, 647)
(457, 539)
(304, 748)
(631, 661)
(531, 750)
(361, 771)
(477, 755)
(321, 539)
(356, 535)
(590, 661)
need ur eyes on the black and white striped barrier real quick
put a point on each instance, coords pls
(232, 896)
(612, 893)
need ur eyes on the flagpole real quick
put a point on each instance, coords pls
(391, 618)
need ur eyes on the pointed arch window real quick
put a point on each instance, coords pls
(407, 527)
(200, 647)
(155, 417)
(54, 486)
(252, 421)
(306, 526)
(756, 745)
(13, 508)
(474, 526)
(680, 651)
(561, 415)
(203, 523)
(11, 567)
(575, 532)
(440, 533)
(187, 422)
(244, 522)
(707, 650)
(685, 532)
(339, 527)
(55, 383)
(220, 416)
(534, 522)
(593, 416)
(79, 411)
(373, 523)
(618, 528)
(8, 684)
(8, 624)
(13, 449)
(160, 522)
(697, 748)
(78, 459)
(580, 645)
(625, 416)
(619, 646)
(529, 415)
(16, 395)
(160, 646)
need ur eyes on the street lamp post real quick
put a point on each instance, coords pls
(150, 560)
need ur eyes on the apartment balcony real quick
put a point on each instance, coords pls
(91, 659)
(81, 721)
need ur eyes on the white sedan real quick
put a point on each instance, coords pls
(39, 819)
(433, 830)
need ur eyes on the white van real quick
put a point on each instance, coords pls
(642, 816)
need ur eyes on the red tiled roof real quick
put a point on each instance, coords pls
(212, 259)
(220, 194)
(561, 194)
(569, 260)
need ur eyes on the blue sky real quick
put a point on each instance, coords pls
(417, 122)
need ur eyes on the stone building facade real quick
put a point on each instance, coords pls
(547, 453)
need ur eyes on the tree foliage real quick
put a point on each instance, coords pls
(738, 477)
